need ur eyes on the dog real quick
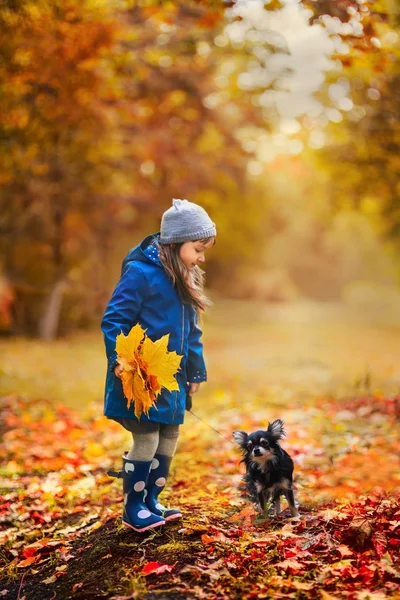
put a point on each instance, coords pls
(269, 468)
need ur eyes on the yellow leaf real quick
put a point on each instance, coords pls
(143, 402)
(148, 367)
(127, 345)
(127, 378)
(161, 363)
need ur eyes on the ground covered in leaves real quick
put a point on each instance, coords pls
(60, 514)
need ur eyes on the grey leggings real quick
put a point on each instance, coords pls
(150, 438)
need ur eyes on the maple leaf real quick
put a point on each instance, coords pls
(160, 363)
(126, 346)
(147, 368)
(292, 564)
(330, 513)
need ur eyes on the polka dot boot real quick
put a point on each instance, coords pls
(156, 483)
(136, 513)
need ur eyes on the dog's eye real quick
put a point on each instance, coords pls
(264, 443)
(249, 444)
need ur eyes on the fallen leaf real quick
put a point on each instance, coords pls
(302, 585)
(369, 595)
(212, 539)
(156, 568)
(345, 550)
(329, 514)
(360, 531)
(290, 564)
(62, 569)
(379, 541)
(28, 561)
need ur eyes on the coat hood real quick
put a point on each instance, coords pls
(146, 252)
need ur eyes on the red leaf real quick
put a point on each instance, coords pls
(156, 568)
(44, 543)
(290, 553)
(263, 542)
(380, 543)
(394, 542)
(366, 574)
(34, 548)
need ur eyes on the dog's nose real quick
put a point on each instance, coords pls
(257, 452)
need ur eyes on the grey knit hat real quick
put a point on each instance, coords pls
(185, 222)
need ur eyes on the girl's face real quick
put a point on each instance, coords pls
(192, 254)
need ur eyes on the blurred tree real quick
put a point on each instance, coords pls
(362, 156)
(57, 134)
(107, 111)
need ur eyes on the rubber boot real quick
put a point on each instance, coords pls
(136, 513)
(155, 485)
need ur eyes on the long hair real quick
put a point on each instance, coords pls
(189, 284)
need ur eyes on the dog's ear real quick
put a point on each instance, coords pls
(240, 438)
(276, 430)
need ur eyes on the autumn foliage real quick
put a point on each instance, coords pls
(110, 109)
(60, 514)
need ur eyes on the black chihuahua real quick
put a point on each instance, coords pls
(269, 468)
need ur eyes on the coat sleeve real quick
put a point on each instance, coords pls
(123, 309)
(196, 368)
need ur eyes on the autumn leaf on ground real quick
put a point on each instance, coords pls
(156, 568)
(147, 368)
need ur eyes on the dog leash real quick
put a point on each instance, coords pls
(211, 427)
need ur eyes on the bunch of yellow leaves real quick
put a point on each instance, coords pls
(147, 368)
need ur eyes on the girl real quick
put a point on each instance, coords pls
(161, 288)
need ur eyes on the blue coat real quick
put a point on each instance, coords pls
(145, 295)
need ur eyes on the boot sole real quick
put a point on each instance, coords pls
(172, 517)
(144, 528)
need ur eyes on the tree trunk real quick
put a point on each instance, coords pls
(49, 322)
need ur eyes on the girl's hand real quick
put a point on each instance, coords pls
(118, 371)
(193, 388)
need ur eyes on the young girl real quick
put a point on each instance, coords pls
(161, 288)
